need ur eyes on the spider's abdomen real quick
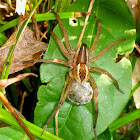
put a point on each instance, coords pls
(81, 71)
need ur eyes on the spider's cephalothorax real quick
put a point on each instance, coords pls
(80, 65)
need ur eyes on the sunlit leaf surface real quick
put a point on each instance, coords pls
(76, 122)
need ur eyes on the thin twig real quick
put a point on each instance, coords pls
(137, 48)
(22, 101)
(44, 4)
(34, 22)
(13, 112)
(86, 19)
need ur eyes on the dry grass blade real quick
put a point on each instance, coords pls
(81, 14)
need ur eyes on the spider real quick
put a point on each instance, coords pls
(78, 62)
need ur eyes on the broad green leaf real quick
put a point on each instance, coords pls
(9, 133)
(76, 122)
(16, 128)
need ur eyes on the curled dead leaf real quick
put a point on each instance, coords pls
(6, 82)
(27, 49)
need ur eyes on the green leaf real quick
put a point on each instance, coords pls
(9, 133)
(76, 122)
(105, 135)
(3, 39)
(124, 120)
(16, 128)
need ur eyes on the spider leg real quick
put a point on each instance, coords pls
(64, 94)
(106, 49)
(96, 103)
(56, 123)
(58, 61)
(94, 44)
(56, 116)
(108, 74)
(69, 48)
(62, 47)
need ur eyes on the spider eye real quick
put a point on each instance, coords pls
(83, 44)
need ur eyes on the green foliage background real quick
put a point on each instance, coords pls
(76, 122)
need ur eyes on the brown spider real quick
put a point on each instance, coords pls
(78, 62)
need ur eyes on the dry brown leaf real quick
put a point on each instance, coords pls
(136, 78)
(27, 49)
(134, 6)
(6, 82)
